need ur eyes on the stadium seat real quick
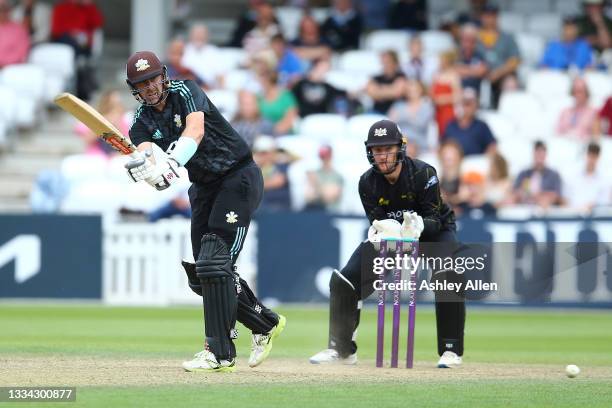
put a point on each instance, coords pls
(301, 147)
(8, 107)
(347, 81)
(359, 125)
(28, 83)
(289, 20)
(600, 87)
(523, 109)
(362, 61)
(531, 47)
(567, 7)
(324, 127)
(518, 154)
(231, 58)
(381, 40)
(237, 79)
(57, 60)
(529, 6)
(502, 127)
(3, 133)
(320, 14)
(226, 101)
(564, 152)
(547, 85)
(80, 168)
(435, 42)
(478, 163)
(512, 22)
(547, 25)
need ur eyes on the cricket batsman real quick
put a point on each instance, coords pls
(227, 187)
(396, 189)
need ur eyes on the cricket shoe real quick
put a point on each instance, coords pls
(331, 356)
(205, 361)
(449, 360)
(262, 343)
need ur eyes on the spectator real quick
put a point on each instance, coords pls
(342, 29)
(176, 69)
(203, 58)
(14, 39)
(605, 118)
(177, 206)
(569, 52)
(451, 156)
(290, 67)
(499, 186)
(388, 87)
(248, 122)
(538, 185)
(408, 14)
(500, 51)
(419, 66)
(314, 95)
(111, 107)
(276, 195)
(324, 188)
(276, 104)
(471, 66)
(446, 90)
(473, 196)
(588, 187)
(471, 133)
(595, 26)
(74, 23)
(414, 114)
(36, 19)
(309, 45)
(245, 23)
(580, 120)
(259, 37)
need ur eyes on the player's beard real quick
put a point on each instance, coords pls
(389, 166)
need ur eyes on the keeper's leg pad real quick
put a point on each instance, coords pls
(192, 277)
(214, 269)
(344, 311)
(251, 313)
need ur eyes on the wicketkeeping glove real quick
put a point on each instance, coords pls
(413, 226)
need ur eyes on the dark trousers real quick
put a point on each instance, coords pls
(450, 307)
(225, 208)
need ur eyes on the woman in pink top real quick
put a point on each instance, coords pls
(111, 107)
(578, 121)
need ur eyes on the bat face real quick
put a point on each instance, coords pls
(95, 122)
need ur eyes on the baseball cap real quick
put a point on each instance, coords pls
(472, 177)
(383, 133)
(143, 65)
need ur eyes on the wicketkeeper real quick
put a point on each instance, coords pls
(396, 188)
(227, 188)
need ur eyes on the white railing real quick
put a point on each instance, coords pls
(142, 263)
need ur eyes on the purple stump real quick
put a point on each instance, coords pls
(397, 276)
(380, 333)
(412, 309)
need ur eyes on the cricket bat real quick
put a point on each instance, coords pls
(102, 128)
(96, 123)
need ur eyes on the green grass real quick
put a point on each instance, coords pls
(492, 336)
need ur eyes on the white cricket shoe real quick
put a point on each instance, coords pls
(205, 361)
(449, 360)
(331, 356)
(262, 343)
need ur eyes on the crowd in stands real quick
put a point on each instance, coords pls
(459, 99)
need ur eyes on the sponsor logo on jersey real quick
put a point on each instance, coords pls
(380, 132)
(231, 217)
(432, 181)
(158, 134)
(142, 65)
(383, 201)
(177, 121)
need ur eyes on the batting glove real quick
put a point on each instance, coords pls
(413, 226)
(164, 174)
(139, 169)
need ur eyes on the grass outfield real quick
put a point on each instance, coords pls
(131, 357)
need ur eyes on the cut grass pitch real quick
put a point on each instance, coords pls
(545, 340)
